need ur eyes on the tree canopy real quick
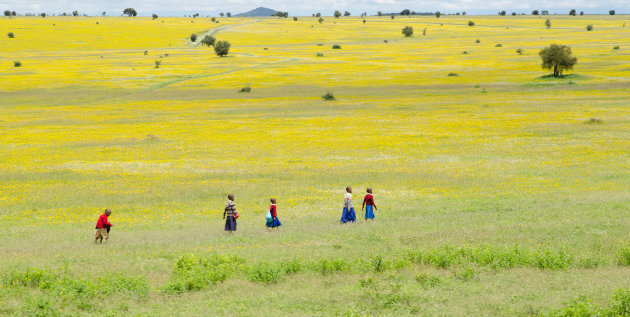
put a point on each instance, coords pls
(557, 57)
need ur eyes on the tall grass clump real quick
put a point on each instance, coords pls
(327, 267)
(379, 264)
(623, 255)
(265, 273)
(192, 273)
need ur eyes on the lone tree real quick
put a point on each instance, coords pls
(208, 40)
(154, 16)
(346, 14)
(407, 31)
(229, 15)
(502, 13)
(131, 12)
(438, 14)
(75, 13)
(572, 12)
(222, 48)
(557, 57)
(611, 12)
(535, 12)
(337, 14)
(548, 24)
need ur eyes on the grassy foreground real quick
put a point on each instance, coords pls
(500, 191)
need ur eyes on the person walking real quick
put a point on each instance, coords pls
(369, 205)
(230, 215)
(274, 222)
(102, 227)
(348, 214)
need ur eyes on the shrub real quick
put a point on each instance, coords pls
(364, 21)
(11, 35)
(519, 51)
(471, 23)
(154, 16)
(222, 48)
(330, 266)
(407, 31)
(193, 37)
(320, 20)
(611, 12)
(424, 32)
(579, 307)
(548, 260)
(336, 47)
(498, 45)
(589, 27)
(392, 16)
(265, 273)
(291, 266)
(465, 52)
(320, 55)
(245, 89)
(620, 305)
(452, 74)
(379, 264)
(192, 273)
(157, 63)
(616, 48)
(208, 40)
(477, 41)
(295, 18)
(17, 64)
(548, 23)
(328, 96)
(465, 274)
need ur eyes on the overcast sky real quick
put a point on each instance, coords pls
(301, 7)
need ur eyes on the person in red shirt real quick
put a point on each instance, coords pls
(102, 227)
(273, 222)
(368, 204)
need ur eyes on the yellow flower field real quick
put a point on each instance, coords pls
(497, 158)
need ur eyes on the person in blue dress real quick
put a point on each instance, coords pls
(348, 214)
(272, 220)
(369, 205)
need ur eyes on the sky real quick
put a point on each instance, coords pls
(302, 7)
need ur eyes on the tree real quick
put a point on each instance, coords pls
(572, 12)
(337, 14)
(228, 14)
(295, 18)
(222, 48)
(13, 13)
(104, 13)
(208, 40)
(392, 16)
(7, 13)
(221, 14)
(43, 14)
(346, 14)
(154, 16)
(611, 12)
(407, 31)
(379, 13)
(581, 12)
(535, 12)
(131, 12)
(193, 37)
(589, 27)
(471, 23)
(548, 24)
(557, 57)
(513, 14)
(405, 12)
(320, 20)
(75, 13)
(438, 14)
(318, 14)
(502, 13)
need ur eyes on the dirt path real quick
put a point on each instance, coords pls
(214, 31)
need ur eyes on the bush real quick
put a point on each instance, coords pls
(11, 35)
(191, 273)
(464, 274)
(157, 63)
(208, 40)
(295, 18)
(465, 52)
(616, 48)
(320, 20)
(498, 45)
(17, 64)
(452, 74)
(265, 273)
(407, 31)
(154, 16)
(620, 305)
(477, 41)
(519, 51)
(330, 266)
(245, 89)
(548, 23)
(589, 27)
(328, 96)
(320, 55)
(336, 47)
(623, 255)
(222, 48)
(379, 264)
(193, 37)
(471, 23)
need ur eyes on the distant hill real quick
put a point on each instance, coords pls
(258, 12)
